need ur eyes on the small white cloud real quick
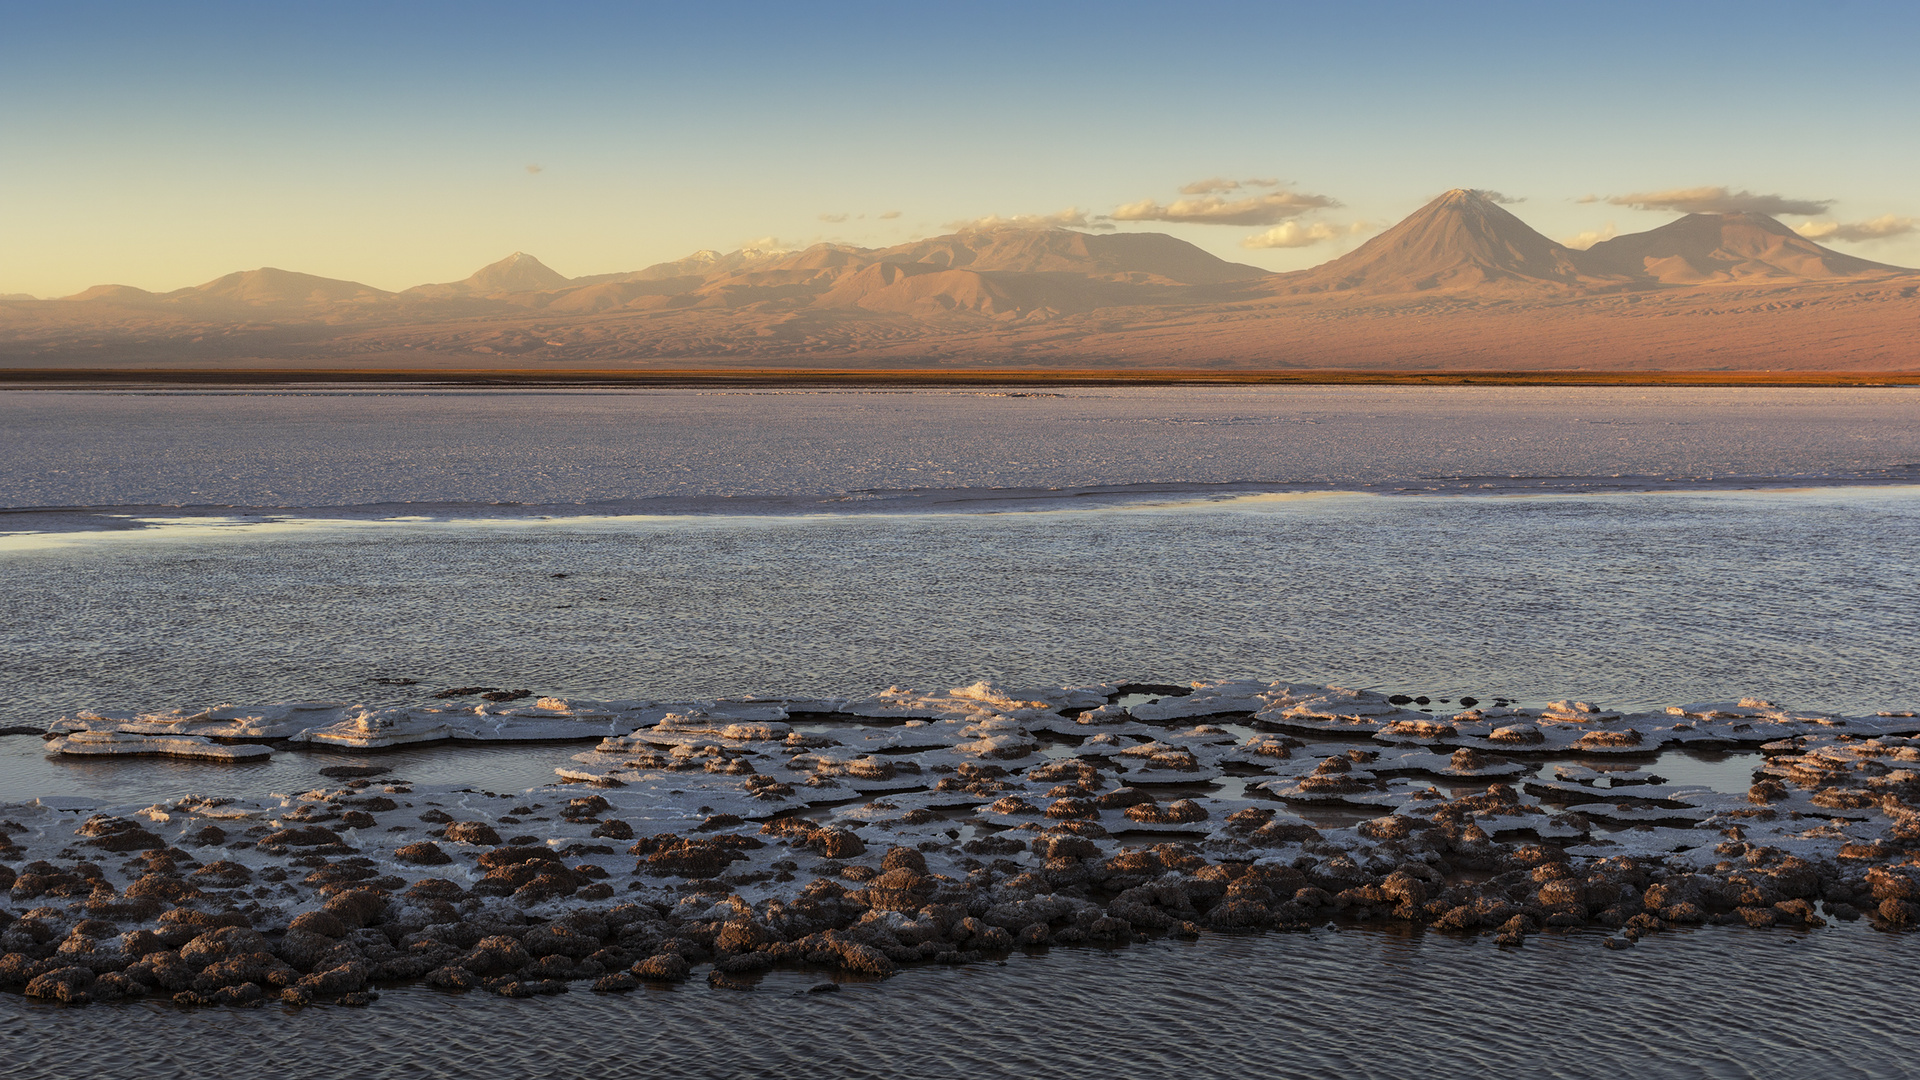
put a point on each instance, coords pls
(1720, 200)
(1583, 241)
(1071, 218)
(1588, 199)
(1214, 185)
(1879, 228)
(1497, 197)
(1295, 234)
(535, 169)
(1269, 209)
(889, 215)
(833, 219)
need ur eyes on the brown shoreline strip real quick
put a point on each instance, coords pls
(63, 378)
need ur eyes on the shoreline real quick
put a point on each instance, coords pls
(915, 378)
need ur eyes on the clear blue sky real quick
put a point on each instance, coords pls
(163, 146)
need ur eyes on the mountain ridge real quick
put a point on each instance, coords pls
(1458, 281)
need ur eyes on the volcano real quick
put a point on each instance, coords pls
(1461, 241)
(517, 273)
(1706, 248)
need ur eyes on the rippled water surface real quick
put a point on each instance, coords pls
(1716, 1002)
(1633, 600)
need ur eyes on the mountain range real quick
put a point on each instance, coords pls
(1461, 283)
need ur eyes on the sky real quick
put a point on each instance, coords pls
(163, 146)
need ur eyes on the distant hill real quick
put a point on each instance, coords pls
(125, 294)
(268, 287)
(1703, 248)
(1029, 250)
(517, 273)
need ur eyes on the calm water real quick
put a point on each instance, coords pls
(336, 450)
(1609, 554)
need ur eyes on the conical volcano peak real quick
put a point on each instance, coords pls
(518, 272)
(1462, 239)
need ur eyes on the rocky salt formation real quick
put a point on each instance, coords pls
(906, 827)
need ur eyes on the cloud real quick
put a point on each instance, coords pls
(534, 169)
(833, 219)
(889, 215)
(1719, 200)
(1497, 197)
(1585, 240)
(1879, 228)
(1213, 185)
(1268, 209)
(1071, 218)
(766, 245)
(1294, 234)
(1588, 199)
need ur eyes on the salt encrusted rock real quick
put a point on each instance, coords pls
(67, 985)
(118, 834)
(422, 853)
(357, 907)
(304, 836)
(472, 832)
(1182, 812)
(1418, 730)
(665, 967)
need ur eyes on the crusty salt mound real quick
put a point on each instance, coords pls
(907, 827)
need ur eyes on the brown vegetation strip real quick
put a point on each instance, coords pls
(52, 378)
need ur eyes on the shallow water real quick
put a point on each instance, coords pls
(1717, 1002)
(26, 770)
(1811, 599)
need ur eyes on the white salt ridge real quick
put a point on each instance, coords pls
(116, 744)
(987, 722)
